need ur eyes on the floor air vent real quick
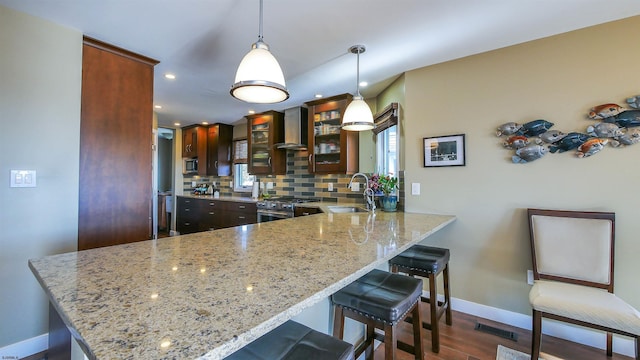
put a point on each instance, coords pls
(510, 335)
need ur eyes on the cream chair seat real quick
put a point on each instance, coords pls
(573, 262)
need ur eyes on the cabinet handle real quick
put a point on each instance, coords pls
(241, 207)
(187, 224)
(216, 164)
(305, 213)
(187, 201)
(187, 209)
(269, 161)
(211, 213)
(241, 217)
(212, 204)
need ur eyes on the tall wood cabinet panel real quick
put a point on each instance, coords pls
(331, 149)
(263, 132)
(219, 139)
(115, 193)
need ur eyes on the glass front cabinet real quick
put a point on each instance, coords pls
(265, 130)
(331, 149)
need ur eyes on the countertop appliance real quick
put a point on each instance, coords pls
(277, 208)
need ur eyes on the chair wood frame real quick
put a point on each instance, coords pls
(538, 315)
(436, 308)
(391, 342)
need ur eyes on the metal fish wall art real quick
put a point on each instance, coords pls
(615, 125)
(590, 147)
(634, 102)
(529, 153)
(604, 111)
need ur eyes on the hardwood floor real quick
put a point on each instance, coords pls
(462, 342)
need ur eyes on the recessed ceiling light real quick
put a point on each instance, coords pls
(251, 112)
(318, 96)
(158, 106)
(363, 83)
(170, 76)
(176, 124)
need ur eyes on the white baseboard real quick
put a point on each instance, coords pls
(25, 348)
(621, 345)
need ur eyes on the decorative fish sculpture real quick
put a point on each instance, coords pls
(569, 142)
(516, 142)
(605, 111)
(634, 102)
(590, 147)
(552, 136)
(632, 136)
(626, 119)
(529, 153)
(509, 128)
(605, 130)
(534, 128)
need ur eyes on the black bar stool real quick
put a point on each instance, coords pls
(429, 262)
(294, 341)
(380, 299)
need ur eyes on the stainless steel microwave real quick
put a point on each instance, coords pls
(190, 165)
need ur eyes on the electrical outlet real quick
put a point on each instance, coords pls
(330, 187)
(415, 188)
(269, 185)
(193, 184)
(530, 277)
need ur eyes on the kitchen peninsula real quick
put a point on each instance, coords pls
(207, 294)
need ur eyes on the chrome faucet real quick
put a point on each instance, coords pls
(368, 192)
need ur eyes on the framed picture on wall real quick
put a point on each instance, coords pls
(444, 151)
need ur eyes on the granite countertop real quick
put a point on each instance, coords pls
(207, 294)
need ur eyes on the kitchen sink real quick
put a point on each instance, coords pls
(345, 209)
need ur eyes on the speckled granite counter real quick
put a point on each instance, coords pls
(207, 294)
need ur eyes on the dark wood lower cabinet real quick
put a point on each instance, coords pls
(196, 215)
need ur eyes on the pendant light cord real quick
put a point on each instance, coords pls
(260, 29)
(357, 72)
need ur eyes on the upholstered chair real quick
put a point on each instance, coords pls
(573, 262)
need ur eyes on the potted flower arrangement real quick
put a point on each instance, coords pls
(386, 186)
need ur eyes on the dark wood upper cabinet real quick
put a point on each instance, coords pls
(194, 141)
(219, 139)
(331, 149)
(263, 132)
(115, 181)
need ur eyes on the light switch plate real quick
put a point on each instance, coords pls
(415, 188)
(355, 186)
(23, 178)
(330, 186)
(269, 185)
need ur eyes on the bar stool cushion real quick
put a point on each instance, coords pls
(422, 258)
(292, 340)
(380, 295)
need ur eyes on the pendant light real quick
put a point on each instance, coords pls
(259, 78)
(357, 116)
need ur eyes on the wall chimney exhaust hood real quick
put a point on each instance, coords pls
(296, 125)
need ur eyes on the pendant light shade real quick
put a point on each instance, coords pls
(357, 116)
(259, 78)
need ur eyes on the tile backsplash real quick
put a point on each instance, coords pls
(298, 182)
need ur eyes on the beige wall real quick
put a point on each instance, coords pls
(40, 68)
(558, 79)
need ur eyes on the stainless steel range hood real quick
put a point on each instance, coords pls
(296, 125)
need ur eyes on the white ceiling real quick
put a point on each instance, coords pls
(203, 41)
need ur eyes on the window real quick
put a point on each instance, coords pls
(242, 180)
(386, 131)
(387, 151)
